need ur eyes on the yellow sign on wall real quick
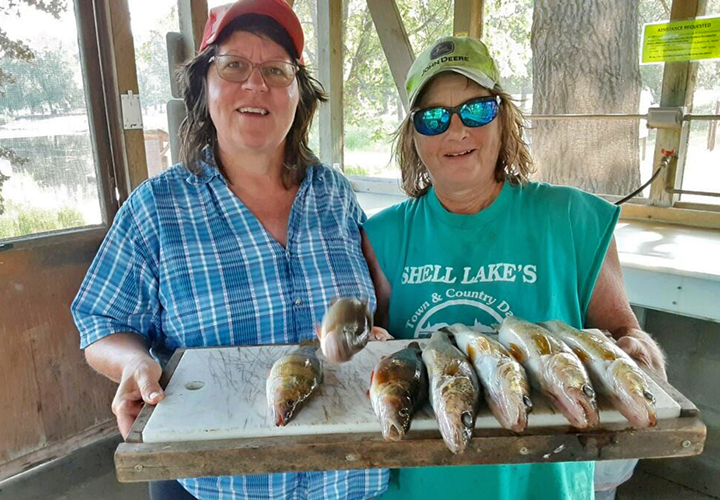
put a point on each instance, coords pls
(681, 41)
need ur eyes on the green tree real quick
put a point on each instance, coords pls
(507, 25)
(44, 84)
(18, 50)
(152, 62)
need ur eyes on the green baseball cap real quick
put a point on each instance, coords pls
(464, 55)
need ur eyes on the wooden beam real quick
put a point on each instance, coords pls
(394, 40)
(683, 436)
(671, 215)
(677, 90)
(98, 116)
(192, 15)
(468, 18)
(120, 67)
(58, 449)
(330, 61)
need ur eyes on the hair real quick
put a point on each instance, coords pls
(197, 131)
(514, 162)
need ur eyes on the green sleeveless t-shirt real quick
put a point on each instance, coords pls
(534, 253)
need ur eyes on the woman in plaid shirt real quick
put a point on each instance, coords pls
(245, 242)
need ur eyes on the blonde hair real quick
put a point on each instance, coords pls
(514, 162)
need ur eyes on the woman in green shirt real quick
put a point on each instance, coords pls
(477, 241)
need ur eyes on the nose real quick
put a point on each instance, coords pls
(255, 81)
(456, 130)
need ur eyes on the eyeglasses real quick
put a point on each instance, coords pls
(238, 69)
(473, 113)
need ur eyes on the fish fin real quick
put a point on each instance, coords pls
(318, 331)
(516, 353)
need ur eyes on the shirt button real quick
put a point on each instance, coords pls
(298, 302)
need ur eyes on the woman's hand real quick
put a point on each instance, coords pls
(378, 333)
(642, 347)
(140, 383)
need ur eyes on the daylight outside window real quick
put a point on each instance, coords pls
(48, 176)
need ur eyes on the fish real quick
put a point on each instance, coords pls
(505, 383)
(612, 371)
(292, 381)
(454, 390)
(553, 369)
(398, 387)
(346, 329)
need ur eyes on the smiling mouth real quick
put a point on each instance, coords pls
(253, 111)
(462, 153)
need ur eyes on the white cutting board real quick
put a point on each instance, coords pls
(219, 393)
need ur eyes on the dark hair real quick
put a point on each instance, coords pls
(197, 130)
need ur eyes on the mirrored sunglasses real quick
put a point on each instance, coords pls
(238, 69)
(473, 113)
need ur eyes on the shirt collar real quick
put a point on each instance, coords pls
(208, 168)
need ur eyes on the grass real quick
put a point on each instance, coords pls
(16, 223)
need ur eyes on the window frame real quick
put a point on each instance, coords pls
(104, 42)
(677, 90)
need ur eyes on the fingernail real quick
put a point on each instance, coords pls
(154, 395)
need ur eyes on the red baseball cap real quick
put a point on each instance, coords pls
(279, 10)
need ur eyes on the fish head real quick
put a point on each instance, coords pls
(345, 329)
(510, 401)
(394, 412)
(568, 386)
(335, 346)
(456, 419)
(285, 401)
(631, 394)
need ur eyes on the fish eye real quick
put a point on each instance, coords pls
(588, 391)
(527, 402)
(649, 396)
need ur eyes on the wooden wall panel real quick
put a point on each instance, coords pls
(20, 417)
(52, 393)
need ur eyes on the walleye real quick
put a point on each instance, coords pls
(506, 386)
(553, 368)
(398, 387)
(346, 328)
(454, 390)
(612, 371)
(293, 379)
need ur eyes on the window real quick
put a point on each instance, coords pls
(702, 161)
(372, 107)
(151, 21)
(557, 63)
(48, 174)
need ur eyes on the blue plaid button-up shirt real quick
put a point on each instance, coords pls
(186, 264)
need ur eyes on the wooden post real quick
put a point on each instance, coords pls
(712, 129)
(123, 57)
(192, 15)
(468, 18)
(677, 90)
(330, 61)
(394, 40)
